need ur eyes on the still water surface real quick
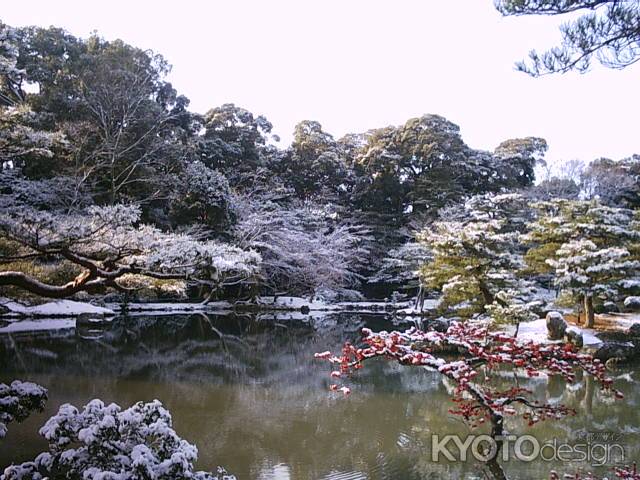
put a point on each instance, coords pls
(247, 391)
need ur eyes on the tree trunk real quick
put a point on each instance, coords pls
(419, 304)
(589, 317)
(497, 431)
(486, 293)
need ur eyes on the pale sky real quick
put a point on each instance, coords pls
(353, 65)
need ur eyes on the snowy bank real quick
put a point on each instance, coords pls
(60, 308)
(41, 325)
(134, 309)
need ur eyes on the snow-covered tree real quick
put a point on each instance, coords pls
(587, 271)
(107, 243)
(475, 254)
(18, 400)
(305, 248)
(401, 266)
(22, 143)
(201, 195)
(613, 183)
(560, 220)
(11, 76)
(105, 442)
(588, 247)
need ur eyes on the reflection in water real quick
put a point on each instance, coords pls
(248, 392)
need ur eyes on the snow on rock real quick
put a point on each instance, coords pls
(60, 308)
(632, 303)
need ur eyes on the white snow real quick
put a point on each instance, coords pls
(632, 301)
(133, 309)
(39, 325)
(61, 308)
(429, 304)
(294, 303)
(537, 331)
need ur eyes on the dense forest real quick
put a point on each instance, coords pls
(111, 183)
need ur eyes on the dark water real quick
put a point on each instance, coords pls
(247, 391)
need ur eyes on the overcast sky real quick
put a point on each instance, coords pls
(359, 64)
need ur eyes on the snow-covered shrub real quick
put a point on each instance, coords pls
(18, 400)
(104, 442)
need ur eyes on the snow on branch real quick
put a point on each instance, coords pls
(109, 243)
(18, 400)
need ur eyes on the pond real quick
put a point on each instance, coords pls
(248, 392)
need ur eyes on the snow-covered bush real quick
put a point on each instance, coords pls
(104, 442)
(18, 400)
(510, 309)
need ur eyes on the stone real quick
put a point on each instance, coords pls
(632, 303)
(440, 325)
(622, 351)
(634, 330)
(574, 337)
(556, 326)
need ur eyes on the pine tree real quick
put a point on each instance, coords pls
(586, 246)
(475, 254)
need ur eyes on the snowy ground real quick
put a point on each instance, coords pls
(537, 332)
(616, 321)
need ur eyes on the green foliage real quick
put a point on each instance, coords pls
(315, 165)
(234, 141)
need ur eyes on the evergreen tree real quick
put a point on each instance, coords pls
(585, 271)
(572, 240)
(475, 255)
(607, 30)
